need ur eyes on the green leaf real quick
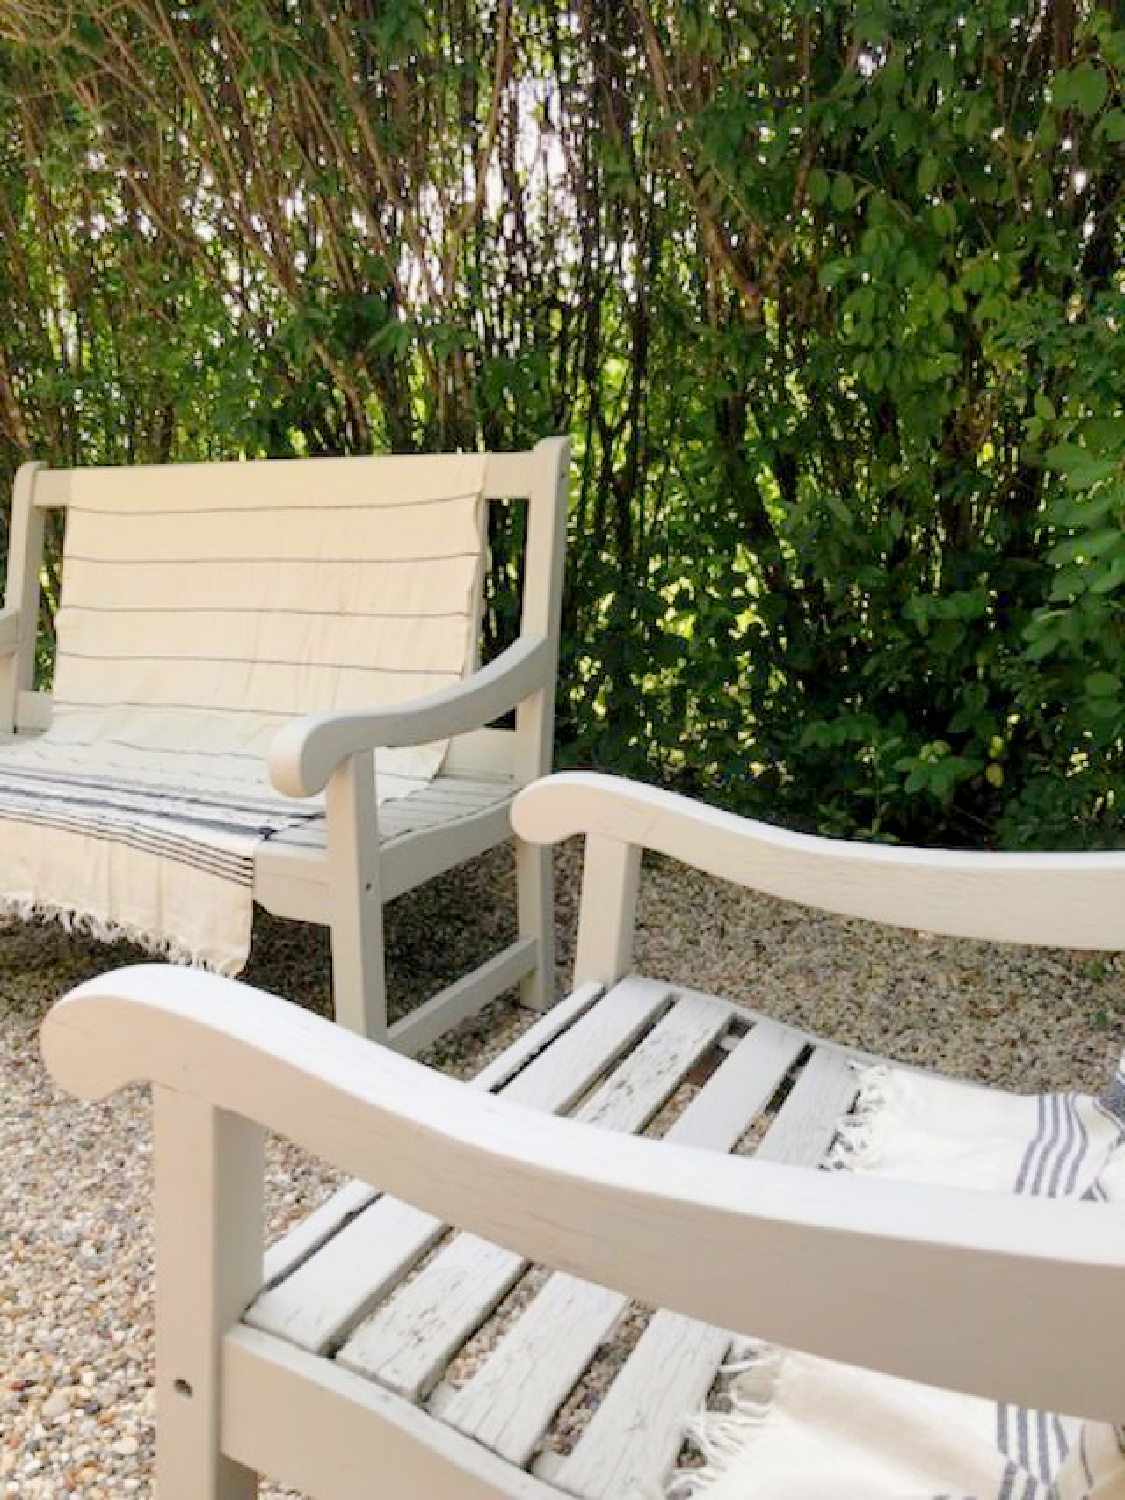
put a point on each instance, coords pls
(1088, 87)
(928, 170)
(819, 186)
(1103, 684)
(843, 192)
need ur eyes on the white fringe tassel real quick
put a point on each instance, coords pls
(723, 1436)
(861, 1136)
(85, 924)
(754, 1368)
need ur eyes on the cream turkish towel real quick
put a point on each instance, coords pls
(804, 1428)
(203, 607)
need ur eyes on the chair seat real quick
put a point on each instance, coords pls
(510, 1357)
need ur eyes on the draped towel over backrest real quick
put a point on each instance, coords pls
(203, 607)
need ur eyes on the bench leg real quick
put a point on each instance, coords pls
(535, 896)
(209, 1187)
(359, 985)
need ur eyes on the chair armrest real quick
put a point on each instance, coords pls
(1017, 1298)
(304, 753)
(9, 631)
(1062, 900)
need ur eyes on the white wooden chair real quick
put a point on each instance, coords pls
(337, 870)
(325, 1365)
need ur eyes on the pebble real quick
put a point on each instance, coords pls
(76, 1336)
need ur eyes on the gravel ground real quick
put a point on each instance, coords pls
(76, 1412)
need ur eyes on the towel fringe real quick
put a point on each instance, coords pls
(723, 1436)
(754, 1368)
(861, 1135)
(85, 924)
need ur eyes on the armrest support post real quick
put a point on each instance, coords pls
(607, 913)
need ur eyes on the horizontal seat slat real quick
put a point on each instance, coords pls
(407, 1342)
(638, 1429)
(510, 1401)
(328, 1294)
(636, 1433)
(807, 1121)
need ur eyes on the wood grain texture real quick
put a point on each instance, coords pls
(1062, 900)
(408, 1342)
(209, 1195)
(1019, 1299)
(509, 1402)
(314, 1426)
(282, 1258)
(329, 1294)
(21, 592)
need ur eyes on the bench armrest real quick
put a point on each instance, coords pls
(9, 631)
(303, 755)
(1018, 1298)
(1062, 900)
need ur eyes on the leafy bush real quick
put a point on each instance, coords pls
(829, 298)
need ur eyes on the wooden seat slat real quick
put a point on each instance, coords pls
(283, 1257)
(636, 1433)
(806, 1122)
(328, 1294)
(408, 1341)
(511, 1399)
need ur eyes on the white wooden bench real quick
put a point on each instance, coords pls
(338, 868)
(358, 1357)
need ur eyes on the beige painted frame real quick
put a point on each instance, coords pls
(344, 887)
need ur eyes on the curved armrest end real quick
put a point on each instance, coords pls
(304, 753)
(288, 753)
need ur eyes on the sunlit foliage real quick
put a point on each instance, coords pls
(829, 298)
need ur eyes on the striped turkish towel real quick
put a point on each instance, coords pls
(805, 1428)
(202, 609)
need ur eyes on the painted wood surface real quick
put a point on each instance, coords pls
(1017, 1298)
(1061, 900)
(328, 1433)
(209, 1195)
(511, 1400)
(409, 1341)
(21, 593)
(295, 1247)
(332, 1292)
(304, 753)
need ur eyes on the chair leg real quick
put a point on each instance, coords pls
(209, 1189)
(359, 984)
(535, 896)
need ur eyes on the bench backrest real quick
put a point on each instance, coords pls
(265, 590)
